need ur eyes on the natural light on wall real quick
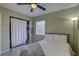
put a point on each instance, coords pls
(74, 18)
(40, 27)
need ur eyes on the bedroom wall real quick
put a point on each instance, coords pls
(5, 26)
(60, 22)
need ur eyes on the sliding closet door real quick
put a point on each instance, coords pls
(18, 32)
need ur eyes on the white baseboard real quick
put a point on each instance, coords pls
(5, 51)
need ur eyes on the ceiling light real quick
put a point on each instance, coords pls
(33, 5)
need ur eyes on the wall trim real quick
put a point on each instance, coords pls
(5, 51)
(0, 33)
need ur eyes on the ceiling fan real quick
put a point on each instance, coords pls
(33, 6)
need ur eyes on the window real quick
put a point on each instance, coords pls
(40, 27)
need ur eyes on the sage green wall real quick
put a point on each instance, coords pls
(5, 26)
(60, 22)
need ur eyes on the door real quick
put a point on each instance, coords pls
(18, 32)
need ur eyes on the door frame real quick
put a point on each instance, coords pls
(10, 30)
(0, 34)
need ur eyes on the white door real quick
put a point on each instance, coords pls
(0, 34)
(18, 32)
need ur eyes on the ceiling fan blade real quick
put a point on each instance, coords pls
(23, 3)
(32, 10)
(41, 7)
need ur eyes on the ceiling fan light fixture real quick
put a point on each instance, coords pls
(33, 5)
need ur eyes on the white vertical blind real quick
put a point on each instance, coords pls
(0, 34)
(18, 32)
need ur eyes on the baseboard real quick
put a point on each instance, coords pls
(5, 51)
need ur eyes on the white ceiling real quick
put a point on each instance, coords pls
(25, 9)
